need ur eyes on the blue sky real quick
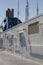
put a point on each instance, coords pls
(5, 4)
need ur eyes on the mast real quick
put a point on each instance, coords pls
(26, 10)
(37, 9)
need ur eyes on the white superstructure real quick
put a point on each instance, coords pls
(25, 38)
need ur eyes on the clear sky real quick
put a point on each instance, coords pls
(5, 4)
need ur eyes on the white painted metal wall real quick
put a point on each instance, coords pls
(34, 42)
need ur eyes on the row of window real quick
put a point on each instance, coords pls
(32, 28)
(14, 40)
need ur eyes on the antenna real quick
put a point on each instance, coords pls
(18, 9)
(37, 9)
(18, 13)
(26, 10)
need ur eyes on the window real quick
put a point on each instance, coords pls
(22, 39)
(1, 42)
(33, 28)
(15, 40)
(10, 42)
